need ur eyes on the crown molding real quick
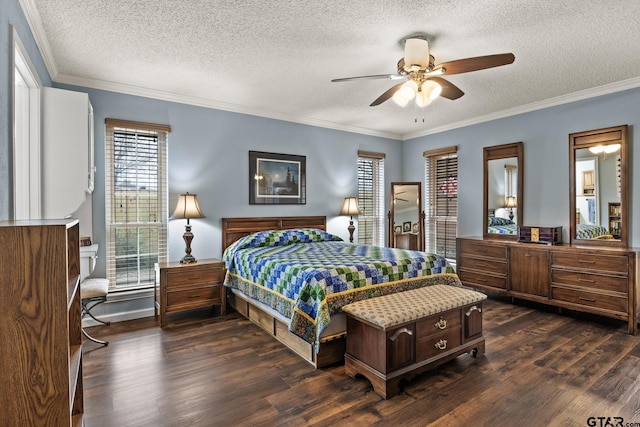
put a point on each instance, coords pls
(209, 103)
(37, 29)
(534, 106)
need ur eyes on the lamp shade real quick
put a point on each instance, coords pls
(510, 202)
(187, 207)
(350, 206)
(416, 52)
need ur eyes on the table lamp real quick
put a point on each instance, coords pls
(350, 208)
(187, 208)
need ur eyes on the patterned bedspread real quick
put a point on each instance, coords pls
(497, 225)
(590, 231)
(308, 275)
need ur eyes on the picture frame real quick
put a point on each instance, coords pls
(398, 229)
(277, 179)
(406, 227)
(414, 228)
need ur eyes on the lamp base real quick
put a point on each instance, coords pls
(351, 229)
(188, 237)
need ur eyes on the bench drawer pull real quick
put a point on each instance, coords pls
(400, 331)
(441, 324)
(472, 309)
(441, 345)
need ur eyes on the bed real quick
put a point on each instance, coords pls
(330, 274)
(592, 231)
(497, 225)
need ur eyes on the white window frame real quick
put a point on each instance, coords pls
(26, 104)
(374, 232)
(162, 131)
(432, 219)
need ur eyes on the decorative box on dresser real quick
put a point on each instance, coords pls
(40, 325)
(181, 287)
(597, 280)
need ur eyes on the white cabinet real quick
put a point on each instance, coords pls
(67, 151)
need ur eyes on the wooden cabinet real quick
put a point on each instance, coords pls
(181, 287)
(407, 241)
(67, 134)
(40, 325)
(590, 279)
(529, 271)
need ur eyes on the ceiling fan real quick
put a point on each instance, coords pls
(420, 78)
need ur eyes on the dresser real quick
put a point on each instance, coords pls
(181, 287)
(40, 325)
(590, 279)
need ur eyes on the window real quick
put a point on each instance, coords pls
(136, 202)
(371, 198)
(441, 196)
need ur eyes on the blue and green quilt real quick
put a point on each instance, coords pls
(308, 274)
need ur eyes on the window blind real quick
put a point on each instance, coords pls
(441, 196)
(136, 202)
(371, 198)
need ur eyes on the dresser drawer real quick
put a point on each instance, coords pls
(437, 344)
(195, 276)
(612, 263)
(483, 265)
(482, 249)
(471, 278)
(194, 296)
(587, 280)
(585, 298)
(437, 324)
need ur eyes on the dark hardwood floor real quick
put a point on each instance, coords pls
(540, 369)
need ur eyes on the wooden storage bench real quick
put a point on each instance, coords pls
(395, 337)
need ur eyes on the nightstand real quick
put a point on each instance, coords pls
(181, 287)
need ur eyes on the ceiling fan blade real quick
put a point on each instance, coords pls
(388, 94)
(476, 63)
(449, 90)
(375, 76)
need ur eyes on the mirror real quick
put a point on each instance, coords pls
(502, 205)
(406, 218)
(598, 191)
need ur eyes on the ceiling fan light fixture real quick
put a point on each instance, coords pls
(416, 52)
(399, 99)
(408, 90)
(431, 89)
(422, 99)
(612, 148)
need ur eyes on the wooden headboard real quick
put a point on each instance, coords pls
(235, 228)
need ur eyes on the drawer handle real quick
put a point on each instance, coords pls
(441, 324)
(401, 331)
(586, 280)
(481, 264)
(194, 296)
(480, 280)
(586, 262)
(441, 345)
(527, 255)
(586, 299)
(472, 309)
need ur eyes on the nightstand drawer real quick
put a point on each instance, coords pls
(195, 276)
(194, 297)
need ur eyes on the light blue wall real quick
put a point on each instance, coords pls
(208, 155)
(11, 14)
(545, 134)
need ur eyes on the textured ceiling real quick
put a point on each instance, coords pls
(277, 58)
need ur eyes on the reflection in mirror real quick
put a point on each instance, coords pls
(406, 216)
(599, 187)
(502, 190)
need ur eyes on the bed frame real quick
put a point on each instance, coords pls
(331, 348)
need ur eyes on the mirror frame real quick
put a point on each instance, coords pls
(496, 152)
(421, 216)
(580, 140)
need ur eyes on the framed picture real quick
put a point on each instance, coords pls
(406, 227)
(398, 229)
(277, 179)
(414, 228)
